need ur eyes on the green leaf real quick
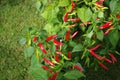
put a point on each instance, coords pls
(114, 38)
(72, 43)
(34, 62)
(38, 73)
(87, 62)
(113, 5)
(100, 35)
(53, 49)
(29, 51)
(22, 41)
(84, 14)
(89, 35)
(100, 14)
(50, 13)
(64, 2)
(77, 48)
(85, 54)
(74, 74)
(36, 70)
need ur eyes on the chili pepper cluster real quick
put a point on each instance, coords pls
(50, 64)
(53, 62)
(102, 58)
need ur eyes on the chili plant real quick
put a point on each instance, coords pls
(77, 32)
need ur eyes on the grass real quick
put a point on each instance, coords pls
(13, 18)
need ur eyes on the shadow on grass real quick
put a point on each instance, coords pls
(112, 74)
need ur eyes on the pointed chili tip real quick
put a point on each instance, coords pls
(113, 57)
(54, 76)
(103, 66)
(74, 19)
(45, 67)
(42, 48)
(118, 16)
(67, 35)
(65, 17)
(74, 34)
(108, 60)
(51, 37)
(69, 54)
(73, 6)
(78, 68)
(48, 61)
(57, 58)
(35, 39)
(96, 55)
(57, 42)
(96, 47)
(106, 25)
(58, 52)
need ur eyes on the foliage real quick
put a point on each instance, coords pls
(76, 32)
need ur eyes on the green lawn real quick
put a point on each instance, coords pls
(13, 18)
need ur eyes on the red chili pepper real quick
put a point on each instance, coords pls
(51, 71)
(42, 48)
(69, 54)
(57, 47)
(58, 52)
(48, 61)
(103, 66)
(73, 6)
(78, 68)
(74, 19)
(100, 2)
(107, 31)
(49, 78)
(108, 60)
(96, 47)
(35, 39)
(45, 68)
(113, 57)
(97, 19)
(50, 37)
(74, 34)
(66, 16)
(95, 55)
(57, 42)
(57, 58)
(54, 76)
(87, 23)
(67, 35)
(118, 16)
(106, 25)
(83, 24)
